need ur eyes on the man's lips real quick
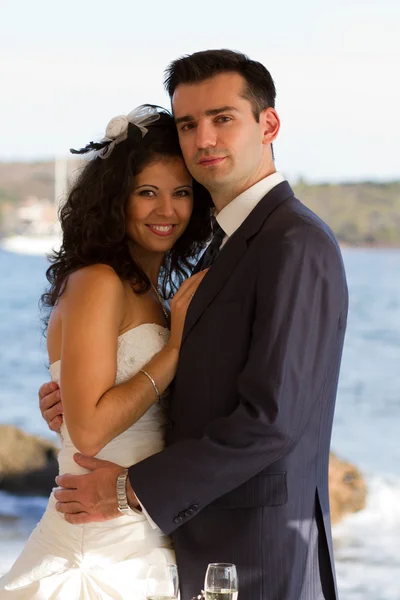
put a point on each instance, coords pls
(207, 162)
(162, 230)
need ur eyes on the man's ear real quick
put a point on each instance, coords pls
(270, 123)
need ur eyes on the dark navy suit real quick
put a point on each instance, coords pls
(244, 478)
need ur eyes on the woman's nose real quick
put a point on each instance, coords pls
(166, 206)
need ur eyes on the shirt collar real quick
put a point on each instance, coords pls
(236, 212)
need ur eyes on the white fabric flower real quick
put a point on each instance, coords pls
(117, 129)
(117, 126)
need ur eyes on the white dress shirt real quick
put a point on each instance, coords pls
(230, 219)
(236, 212)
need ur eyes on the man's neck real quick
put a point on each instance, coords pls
(224, 196)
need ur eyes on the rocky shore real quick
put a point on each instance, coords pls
(28, 466)
(347, 488)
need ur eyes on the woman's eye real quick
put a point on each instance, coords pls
(181, 193)
(148, 193)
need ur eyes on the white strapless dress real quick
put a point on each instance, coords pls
(98, 560)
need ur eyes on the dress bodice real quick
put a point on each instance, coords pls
(136, 347)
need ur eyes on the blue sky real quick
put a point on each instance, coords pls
(67, 68)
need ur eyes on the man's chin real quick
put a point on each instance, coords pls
(212, 178)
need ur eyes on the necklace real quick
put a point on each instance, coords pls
(166, 315)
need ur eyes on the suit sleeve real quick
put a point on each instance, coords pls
(300, 299)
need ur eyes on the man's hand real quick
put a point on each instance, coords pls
(50, 405)
(91, 497)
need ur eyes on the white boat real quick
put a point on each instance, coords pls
(38, 245)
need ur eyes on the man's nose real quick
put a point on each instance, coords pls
(205, 135)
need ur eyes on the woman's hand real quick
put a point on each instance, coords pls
(50, 405)
(179, 306)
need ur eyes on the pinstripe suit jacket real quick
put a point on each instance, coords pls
(244, 477)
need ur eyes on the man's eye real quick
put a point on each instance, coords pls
(187, 127)
(223, 119)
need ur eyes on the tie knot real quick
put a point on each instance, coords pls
(213, 249)
(218, 232)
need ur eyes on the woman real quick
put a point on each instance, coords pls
(133, 219)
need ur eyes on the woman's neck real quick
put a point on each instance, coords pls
(149, 262)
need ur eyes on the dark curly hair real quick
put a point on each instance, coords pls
(94, 215)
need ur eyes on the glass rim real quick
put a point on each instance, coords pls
(222, 565)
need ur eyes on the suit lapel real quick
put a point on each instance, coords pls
(214, 281)
(231, 253)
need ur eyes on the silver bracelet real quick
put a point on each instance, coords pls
(152, 381)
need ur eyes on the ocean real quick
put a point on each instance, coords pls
(366, 427)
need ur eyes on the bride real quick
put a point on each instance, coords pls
(133, 220)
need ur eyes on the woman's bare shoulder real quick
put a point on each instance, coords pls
(94, 279)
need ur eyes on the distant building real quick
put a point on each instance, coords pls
(36, 216)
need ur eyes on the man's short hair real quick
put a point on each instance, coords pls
(193, 68)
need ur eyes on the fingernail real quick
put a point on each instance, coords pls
(58, 395)
(56, 480)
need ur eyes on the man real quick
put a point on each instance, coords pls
(244, 478)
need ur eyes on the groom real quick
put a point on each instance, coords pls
(244, 478)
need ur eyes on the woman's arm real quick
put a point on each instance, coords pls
(92, 310)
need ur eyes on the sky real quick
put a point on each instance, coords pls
(67, 68)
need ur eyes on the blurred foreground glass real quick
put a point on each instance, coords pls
(221, 582)
(162, 582)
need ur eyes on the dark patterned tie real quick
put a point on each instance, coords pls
(213, 249)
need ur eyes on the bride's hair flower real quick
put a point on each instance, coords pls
(118, 128)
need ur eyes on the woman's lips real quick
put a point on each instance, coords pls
(161, 230)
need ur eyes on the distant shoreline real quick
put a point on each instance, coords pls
(366, 246)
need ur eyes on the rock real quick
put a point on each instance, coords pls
(28, 465)
(347, 488)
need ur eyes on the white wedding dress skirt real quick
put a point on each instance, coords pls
(106, 560)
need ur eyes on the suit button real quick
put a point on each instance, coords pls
(194, 507)
(178, 519)
(189, 512)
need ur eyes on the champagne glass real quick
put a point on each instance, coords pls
(162, 582)
(221, 582)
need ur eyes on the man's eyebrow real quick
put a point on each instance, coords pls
(209, 113)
